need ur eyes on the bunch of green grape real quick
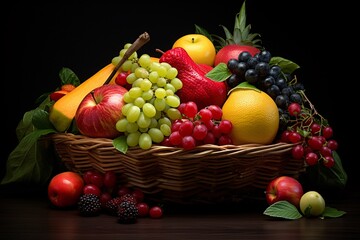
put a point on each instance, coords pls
(151, 103)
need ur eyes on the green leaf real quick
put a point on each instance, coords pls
(219, 73)
(334, 177)
(286, 65)
(120, 144)
(67, 76)
(283, 209)
(40, 119)
(332, 212)
(202, 31)
(30, 161)
(245, 85)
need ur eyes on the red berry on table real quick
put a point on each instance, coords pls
(138, 195)
(156, 212)
(109, 180)
(92, 189)
(143, 209)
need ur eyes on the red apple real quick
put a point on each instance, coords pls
(284, 188)
(65, 189)
(99, 111)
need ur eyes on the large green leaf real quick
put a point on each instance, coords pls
(31, 160)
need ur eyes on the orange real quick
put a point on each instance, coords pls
(254, 115)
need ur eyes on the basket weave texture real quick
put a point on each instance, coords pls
(208, 173)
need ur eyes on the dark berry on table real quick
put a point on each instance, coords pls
(127, 212)
(89, 205)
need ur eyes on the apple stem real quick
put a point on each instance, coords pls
(93, 96)
(139, 42)
(192, 40)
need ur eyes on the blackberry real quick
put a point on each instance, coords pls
(89, 205)
(112, 205)
(127, 212)
(128, 197)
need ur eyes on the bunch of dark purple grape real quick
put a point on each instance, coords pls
(268, 77)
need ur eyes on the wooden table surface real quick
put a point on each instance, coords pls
(30, 216)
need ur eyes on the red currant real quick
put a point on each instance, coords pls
(294, 137)
(205, 114)
(311, 158)
(329, 161)
(294, 109)
(190, 109)
(332, 144)
(200, 132)
(216, 111)
(188, 142)
(327, 132)
(225, 126)
(298, 151)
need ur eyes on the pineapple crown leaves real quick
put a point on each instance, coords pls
(241, 34)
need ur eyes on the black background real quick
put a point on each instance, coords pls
(41, 39)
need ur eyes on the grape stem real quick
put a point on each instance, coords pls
(139, 42)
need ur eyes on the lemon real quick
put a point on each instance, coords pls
(254, 115)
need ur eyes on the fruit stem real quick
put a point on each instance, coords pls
(92, 95)
(139, 42)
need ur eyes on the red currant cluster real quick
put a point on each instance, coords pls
(312, 135)
(197, 127)
(106, 187)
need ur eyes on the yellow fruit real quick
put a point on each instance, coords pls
(63, 111)
(312, 204)
(254, 115)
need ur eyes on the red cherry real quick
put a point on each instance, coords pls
(143, 209)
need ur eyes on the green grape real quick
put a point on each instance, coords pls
(164, 120)
(147, 95)
(159, 104)
(133, 114)
(122, 52)
(154, 67)
(133, 139)
(127, 98)
(134, 55)
(139, 101)
(154, 123)
(126, 66)
(145, 141)
(143, 121)
(142, 130)
(121, 125)
(158, 114)
(162, 71)
(125, 108)
(165, 129)
(173, 101)
(169, 86)
(141, 72)
(177, 83)
(145, 61)
(149, 110)
(131, 78)
(132, 127)
(161, 82)
(169, 92)
(160, 93)
(127, 45)
(135, 92)
(115, 61)
(156, 135)
(153, 76)
(145, 85)
(166, 65)
(171, 73)
(134, 66)
(137, 82)
(173, 113)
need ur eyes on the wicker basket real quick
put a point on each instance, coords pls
(208, 173)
